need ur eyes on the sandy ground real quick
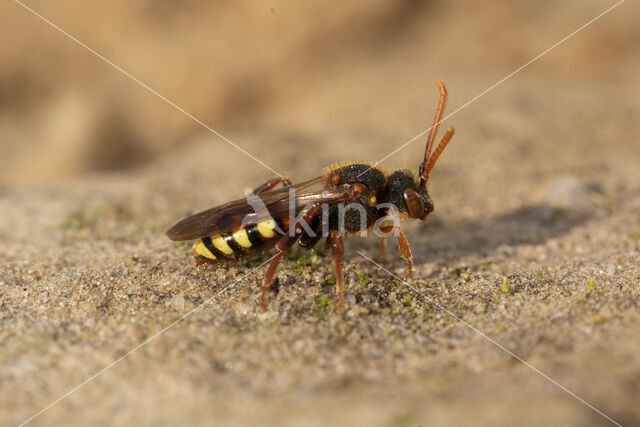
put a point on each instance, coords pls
(553, 210)
(534, 245)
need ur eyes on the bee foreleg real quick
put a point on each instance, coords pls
(337, 245)
(405, 248)
(269, 185)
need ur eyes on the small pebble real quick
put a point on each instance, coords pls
(177, 302)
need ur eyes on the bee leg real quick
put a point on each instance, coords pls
(337, 245)
(269, 185)
(405, 249)
(382, 244)
(283, 246)
(403, 244)
(268, 277)
(288, 240)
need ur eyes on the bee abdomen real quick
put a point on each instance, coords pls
(245, 242)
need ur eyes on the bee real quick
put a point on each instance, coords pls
(247, 227)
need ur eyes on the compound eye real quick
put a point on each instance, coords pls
(429, 206)
(414, 202)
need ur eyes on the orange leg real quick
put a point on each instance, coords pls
(288, 240)
(337, 245)
(268, 277)
(405, 248)
(283, 246)
(382, 244)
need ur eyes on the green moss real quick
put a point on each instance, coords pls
(322, 301)
(408, 299)
(506, 289)
(301, 261)
(582, 297)
(520, 296)
(294, 255)
(255, 261)
(180, 244)
(364, 281)
(314, 259)
(539, 275)
(591, 285)
(328, 282)
(466, 277)
(80, 219)
(455, 271)
(119, 212)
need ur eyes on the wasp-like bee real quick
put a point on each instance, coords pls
(247, 227)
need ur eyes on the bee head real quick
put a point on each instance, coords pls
(418, 203)
(403, 190)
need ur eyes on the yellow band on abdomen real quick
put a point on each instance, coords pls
(218, 242)
(267, 229)
(242, 238)
(200, 249)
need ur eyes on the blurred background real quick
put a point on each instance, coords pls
(535, 239)
(313, 74)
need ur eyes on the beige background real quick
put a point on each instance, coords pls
(542, 175)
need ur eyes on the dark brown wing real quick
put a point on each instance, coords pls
(235, 214)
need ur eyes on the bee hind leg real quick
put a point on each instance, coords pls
(268, 277)
(283, 246)
(289, 239)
